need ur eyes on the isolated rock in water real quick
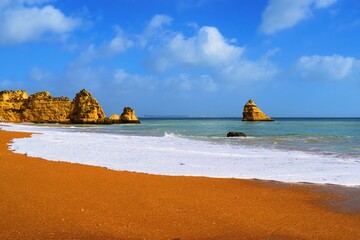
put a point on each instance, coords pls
(236, 134)
(10, 105)
(41, 107)
(253, 113)
(128, 116)
(86, 109)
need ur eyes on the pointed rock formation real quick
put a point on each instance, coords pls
(86, 109)
(253, 113)
(128, 116)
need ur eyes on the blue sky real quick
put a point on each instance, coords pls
(295, 58)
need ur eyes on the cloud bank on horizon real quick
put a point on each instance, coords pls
(175, 61)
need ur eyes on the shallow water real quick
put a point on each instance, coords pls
(290, 150)
(327, 136)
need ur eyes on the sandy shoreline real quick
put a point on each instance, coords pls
(53, 200)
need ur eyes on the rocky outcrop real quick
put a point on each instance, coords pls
(253, 113)
(236, 134)
(41, 107)
(128, 116)
(86, 109)
(114, 117)
(10, 105)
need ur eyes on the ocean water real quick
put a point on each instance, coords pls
(289, 150)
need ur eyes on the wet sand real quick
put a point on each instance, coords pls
(42, 199)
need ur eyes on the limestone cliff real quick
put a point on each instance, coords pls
(86, 109)
(253, 113)
(128, 116)
(42, 107)
(10, 105)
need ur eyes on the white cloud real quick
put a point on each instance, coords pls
(22, 21)
(118, 44)
(158, 21)
(207, 48)
(282, 14)
(122, 41)
(333, 67)
(154, 29)
(206, 53)
(212, 52)
(207, 58)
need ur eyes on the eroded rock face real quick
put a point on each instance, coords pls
(253, 113)
(10, 105)
(42, 107)
(128, 116)
(86, 109)
(115, 117)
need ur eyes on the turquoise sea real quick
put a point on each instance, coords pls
(334, 136)
(288, 149)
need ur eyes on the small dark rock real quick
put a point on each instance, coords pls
(236, 134)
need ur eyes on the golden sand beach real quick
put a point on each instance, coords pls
(42, 199)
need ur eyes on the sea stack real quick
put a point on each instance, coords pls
(253, 113)
(86, 109)
(128, 116)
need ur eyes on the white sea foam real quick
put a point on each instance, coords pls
(171, 155)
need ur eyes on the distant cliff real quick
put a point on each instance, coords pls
(253, 113)
(41, 107)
